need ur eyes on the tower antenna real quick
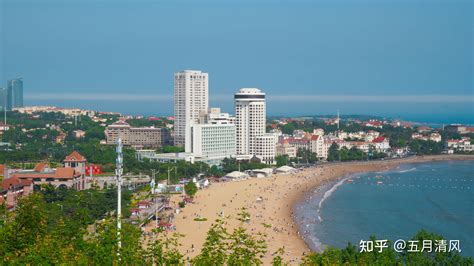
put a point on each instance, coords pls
(118, 174)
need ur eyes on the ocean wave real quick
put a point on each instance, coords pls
(328, 193)
(407, 170)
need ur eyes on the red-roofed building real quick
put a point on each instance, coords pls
(41, 167)
(373, 123)
(381, 144)
(77, 161)
(314, 143)
(74, 157)
(13, 188)
(61, 177)
(284, 148)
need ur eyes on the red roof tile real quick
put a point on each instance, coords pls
(12, 181)
(60, 173)
(378, 139)
(75, 157)
(39, 167)
(2, 169)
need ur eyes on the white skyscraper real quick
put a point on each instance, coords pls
(191, 96)
(250, 113)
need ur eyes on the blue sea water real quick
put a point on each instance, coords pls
(395, 204)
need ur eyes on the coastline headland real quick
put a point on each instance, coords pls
(277, 196)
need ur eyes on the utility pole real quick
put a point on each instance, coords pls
(169, 170)
(118, 174)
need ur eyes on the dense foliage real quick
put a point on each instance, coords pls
(40, 231)
(48, 227)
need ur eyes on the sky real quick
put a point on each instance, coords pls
(411, 59)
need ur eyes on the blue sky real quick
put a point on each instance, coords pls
(417, 55)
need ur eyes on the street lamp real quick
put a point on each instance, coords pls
(118, 174)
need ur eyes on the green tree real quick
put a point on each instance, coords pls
(214, 250)
(333, 152)
(282, 160)
(163, 249)
(190, 189)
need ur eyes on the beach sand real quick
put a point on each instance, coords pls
(279, 193)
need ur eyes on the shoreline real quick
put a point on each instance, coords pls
(281, 194)
(374, 166)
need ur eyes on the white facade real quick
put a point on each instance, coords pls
(286, 149)
(265, 148)
(191, 96)
(215, 141)
(250, 117)
(136, 136)
(460, 145)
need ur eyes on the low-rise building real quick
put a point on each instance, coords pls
(78, 134)
(214, 138)
(381, 144)
(60, 177)
(423, 129)
(284, 148)
(435, 136)
(318, 131)
(52, 109)
(4, 127)
(13, 188)
(461, 129)
(373, 123)
(460, 145)
(136, 136)
(61, 137)
(20, 182)
(265, 148)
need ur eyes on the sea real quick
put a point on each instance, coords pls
(394, 204)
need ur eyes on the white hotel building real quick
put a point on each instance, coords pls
(250, 112)
(191, 97)
(214, 137)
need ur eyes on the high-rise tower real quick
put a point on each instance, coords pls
(250, 112)
(191, 96)
(15, 93)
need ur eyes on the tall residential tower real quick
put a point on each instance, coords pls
(191, 96)
(15, 93)
(3, 99)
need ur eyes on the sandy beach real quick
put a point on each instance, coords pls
(279, 193)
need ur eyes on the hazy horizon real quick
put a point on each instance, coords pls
(401, 58)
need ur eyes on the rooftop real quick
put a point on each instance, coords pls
(74, 157)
